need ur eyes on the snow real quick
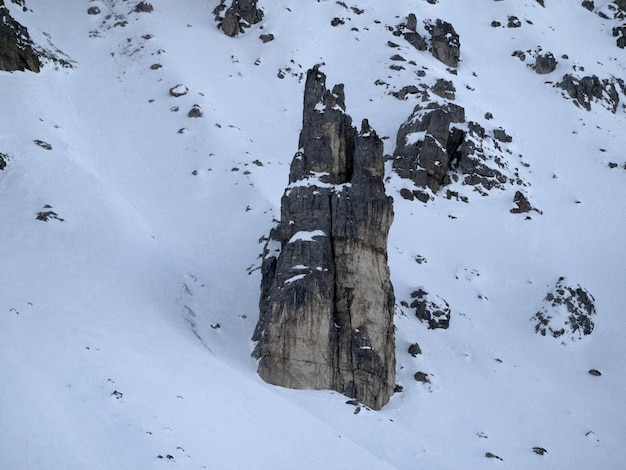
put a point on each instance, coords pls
(306, 236)
(126, 327)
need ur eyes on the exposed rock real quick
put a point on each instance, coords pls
(590, 89)
(415, 350)
(545, 63)
(240, 15)
(179, 90)
(17, 51)
(539, 450)
(422, 145)
(195, 111)
(421, 377)
(432, 152)
(431, 308)
(143, 7)
(326, 306)
(266, 38)
(411, 22)
(513, 22)
(42, 144)
(595, 372)
(93, 10)
(446, 46)
(501, 135)
(46, 215)
(3, 161)
(589, 5)
(444, 89)
(620, 33)
(522, 203)
(566, 313)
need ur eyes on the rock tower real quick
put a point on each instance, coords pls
(327, 304)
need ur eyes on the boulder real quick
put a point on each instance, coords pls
(446, 46)
(327, 303)
(545, 63)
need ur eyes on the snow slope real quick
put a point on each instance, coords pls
(125, 326)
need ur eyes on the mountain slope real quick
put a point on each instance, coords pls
(126, 326)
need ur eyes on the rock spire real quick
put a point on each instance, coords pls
(326, 306)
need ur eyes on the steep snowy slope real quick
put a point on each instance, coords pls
(126, 317)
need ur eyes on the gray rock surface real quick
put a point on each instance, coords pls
(17, 51)
(589, 89)
(446, 46)
(545, 63)
(240, 15)
(327, 304)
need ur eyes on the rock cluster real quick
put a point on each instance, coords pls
(436, 147)
(240, 15)
(327, 304)
(445, 44)
(431, 309)
(16, 48)
(566, 313)
(590, 89)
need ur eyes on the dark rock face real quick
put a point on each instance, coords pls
(566, 313)
(240, 15)
(3, 161)
(590, 89)
(588, 4)
(545, 63)
(143, 7)
(432, 152)
(446, 46)
(17, 51)
(425, 142)
(326, 306)
(522, 203)
(431, 309)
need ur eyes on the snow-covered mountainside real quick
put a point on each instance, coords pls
(141, 173)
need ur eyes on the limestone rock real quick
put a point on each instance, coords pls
(446, 46)
(240, 15)
(17, 51)
(326, 306)
(567, 312)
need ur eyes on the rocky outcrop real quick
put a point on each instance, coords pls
(445, 43)
(590, 89)
(240, 15)
(431, 309)
(435, 147)
(17, 51)
(326, 306)
(566, 313)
